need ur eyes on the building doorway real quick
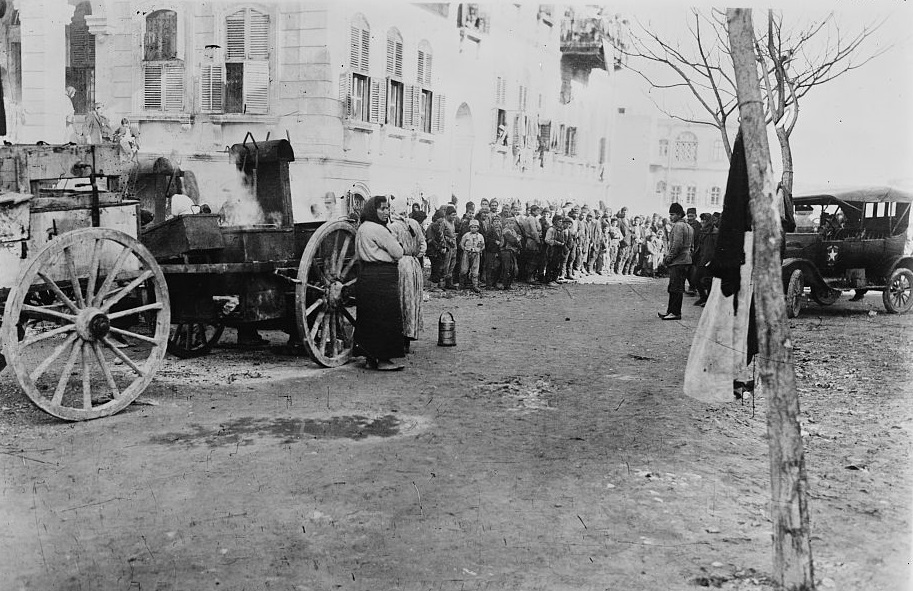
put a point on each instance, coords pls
(461, 157)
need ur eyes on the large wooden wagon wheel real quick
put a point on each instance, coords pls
(325, 294)
(89, 351)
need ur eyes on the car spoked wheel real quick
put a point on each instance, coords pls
(898, 294)
(794, 293)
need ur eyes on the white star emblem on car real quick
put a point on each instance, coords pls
(832, 254)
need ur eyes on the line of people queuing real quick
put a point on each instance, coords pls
(504, 244)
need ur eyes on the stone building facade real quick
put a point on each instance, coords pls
(422, 100)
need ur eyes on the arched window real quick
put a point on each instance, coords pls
(163, 70)
(247, 62)
(355, 86)
(686, 147)
(395, 95)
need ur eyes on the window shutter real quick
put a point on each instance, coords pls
(211, 88)
(408, 120)
(355, 48)
(417, 102)
(427, 69)
(345, 94)
(374, 104)
(174, 86)
(420, 76)
(381, 101)
(256, 87)
(365, 49)
(258, 40)
(515, 136)
(398, 60)
(234, 37)
(391, 56)
(440, 105)
(152, 87)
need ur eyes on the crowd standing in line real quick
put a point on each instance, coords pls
(551, 245)
(502, 244)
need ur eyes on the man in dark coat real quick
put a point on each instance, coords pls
(678, 261)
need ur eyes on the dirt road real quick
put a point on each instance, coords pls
(551, 449)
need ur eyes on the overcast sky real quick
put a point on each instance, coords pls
(857, 129)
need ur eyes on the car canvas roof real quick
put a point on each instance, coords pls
(857, 195)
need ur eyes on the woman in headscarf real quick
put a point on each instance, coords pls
(379, 319)
(409, 233)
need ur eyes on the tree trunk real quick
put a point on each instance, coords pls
(792, 564)
(787, 160)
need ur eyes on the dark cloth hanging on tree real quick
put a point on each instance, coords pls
(729, 255)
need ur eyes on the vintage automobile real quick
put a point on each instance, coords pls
(855, 239)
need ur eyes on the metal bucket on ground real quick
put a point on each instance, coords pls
(446, 331)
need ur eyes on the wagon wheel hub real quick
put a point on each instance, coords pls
(92, 324)
(334, 293)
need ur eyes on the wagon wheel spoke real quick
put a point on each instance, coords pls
(334, 254)
(48, 335)
(315, 287)
(317, 324)
(137, 310)
(348, 268)
(74, 279)
(341, 259)
(48, 312)
(333, 320)
(324, 333)
(315, 305)
(57, 352)
(348, 316)
(123, 356)
(86, 379)
(66, 373)
(107, 304)
(58, 292)
(105, 370)
(133, 335)
(350, 282)
(112, 275)
(94, 263)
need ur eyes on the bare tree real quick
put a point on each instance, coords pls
(700, 65)
(793, 62)
(790, 63)
(793, 567)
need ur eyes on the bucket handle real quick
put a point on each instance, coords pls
(441, 318)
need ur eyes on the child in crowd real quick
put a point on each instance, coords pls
(472, 245)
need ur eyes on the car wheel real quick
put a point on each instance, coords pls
(825, 296)
(794, 293)
(898, 294)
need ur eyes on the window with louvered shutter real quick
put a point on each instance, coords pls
(256, 87)
(394, 54)
(163, 72)
(345, 94)
(152, 86)
(211, 88)
(500, 90)
(408, 119)
(374, 108)
(440, 105)
(80, 67)
(416, 106)
(247, 43)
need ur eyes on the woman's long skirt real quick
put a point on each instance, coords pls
(379, 317)
(410, 292)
